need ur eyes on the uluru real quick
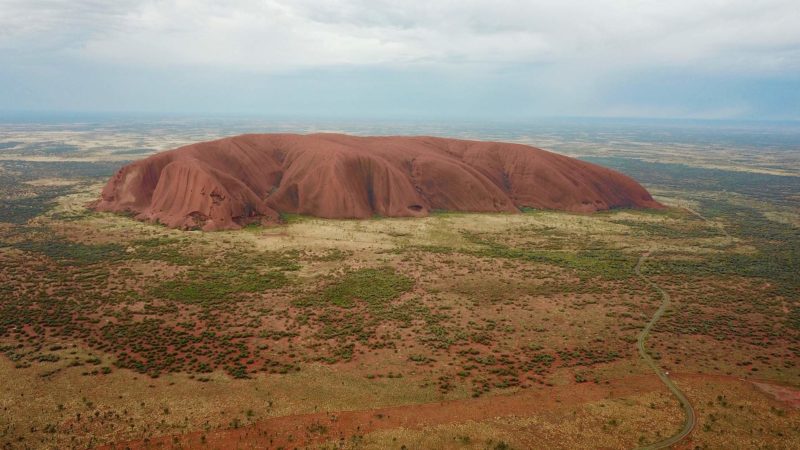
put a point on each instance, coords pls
(231, 182)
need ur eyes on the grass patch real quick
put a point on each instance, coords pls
(67, 252)
(373, 286)
(218, 286)
(777, 257)
(602, 262)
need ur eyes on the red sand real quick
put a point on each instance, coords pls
(297, 431)
(781, 393)
(231, 182)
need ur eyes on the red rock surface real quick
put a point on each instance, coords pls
(227, 183)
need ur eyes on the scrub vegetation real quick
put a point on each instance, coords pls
(321, 316)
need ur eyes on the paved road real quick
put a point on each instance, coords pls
(691, 420)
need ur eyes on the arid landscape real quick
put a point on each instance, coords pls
(399, 225)
(453, 330)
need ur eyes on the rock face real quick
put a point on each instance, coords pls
(228, 183)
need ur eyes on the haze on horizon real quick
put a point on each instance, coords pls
(731, 59)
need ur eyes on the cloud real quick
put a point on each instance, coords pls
(279, 35)
(495, 58)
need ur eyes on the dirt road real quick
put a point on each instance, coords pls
(688, 411)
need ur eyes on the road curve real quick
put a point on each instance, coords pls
(691, 419)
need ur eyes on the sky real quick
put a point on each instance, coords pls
(471, 59)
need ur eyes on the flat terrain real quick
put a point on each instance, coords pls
(450, 331)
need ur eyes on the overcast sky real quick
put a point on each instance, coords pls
(409, 58)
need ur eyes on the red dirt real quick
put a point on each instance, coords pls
(300, 430)
(227, 183)
(781, 393)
